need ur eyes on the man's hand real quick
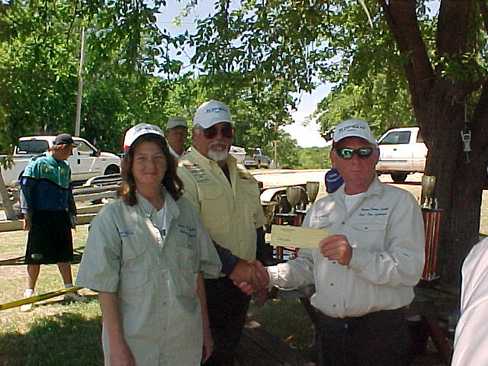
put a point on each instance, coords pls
(26, 222)
(336, 248)
(249, 276)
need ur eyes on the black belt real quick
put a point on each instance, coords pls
(347, 322)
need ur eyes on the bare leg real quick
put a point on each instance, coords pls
(33, 274)
(65, 270)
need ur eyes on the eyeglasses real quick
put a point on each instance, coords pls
(225, 131)
(347, 153)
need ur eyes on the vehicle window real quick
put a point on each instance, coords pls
(32, 147)
(420, 139)
(84, 149)
(396, 137)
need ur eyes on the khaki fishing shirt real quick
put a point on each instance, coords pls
(386, 231)
(154, 275)
(231, 212)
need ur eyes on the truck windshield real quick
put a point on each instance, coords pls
(31, 147)
(396, 137)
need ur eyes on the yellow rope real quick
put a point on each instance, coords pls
(36, 298)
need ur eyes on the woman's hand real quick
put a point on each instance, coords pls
(208, 344)
(121, 355)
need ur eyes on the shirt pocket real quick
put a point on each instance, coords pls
(371, 233)
(134, 269)
(214, 207)
(248, 198)
(320, 221)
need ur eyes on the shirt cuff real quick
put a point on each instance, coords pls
(360, 259)
(229, 260)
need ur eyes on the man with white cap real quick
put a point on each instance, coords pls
(227, 197)
(176, 133)
(365, 267)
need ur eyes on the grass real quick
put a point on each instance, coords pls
(55, 332)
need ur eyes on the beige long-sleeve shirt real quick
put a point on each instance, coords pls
(152, 267)
(385, 229)
(230, 211)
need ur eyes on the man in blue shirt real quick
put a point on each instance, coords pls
(49, 214)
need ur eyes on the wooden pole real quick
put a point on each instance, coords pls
(7, 204)
(79, 96)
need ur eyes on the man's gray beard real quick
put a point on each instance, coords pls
(218, 155)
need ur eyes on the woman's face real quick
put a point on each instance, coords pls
(149, 164)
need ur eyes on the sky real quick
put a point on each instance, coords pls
(306, 134)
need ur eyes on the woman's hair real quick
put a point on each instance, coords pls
(171, 181)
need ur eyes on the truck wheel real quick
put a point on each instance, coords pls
(399, 177)
(111, 169)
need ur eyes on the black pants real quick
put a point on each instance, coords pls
(227, 310)
(376, 339)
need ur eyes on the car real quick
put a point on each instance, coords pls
(256, 159)
(402, 151)
(86, 162)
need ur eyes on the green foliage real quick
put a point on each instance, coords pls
(287, 151)
(39, 53)
(314, 158)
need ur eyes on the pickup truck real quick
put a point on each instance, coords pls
(257, 159)
(402, 151)
(86, 162)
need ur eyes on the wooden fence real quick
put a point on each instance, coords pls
(94, 190)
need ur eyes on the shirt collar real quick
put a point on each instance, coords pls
(375, 188)
(170, 205)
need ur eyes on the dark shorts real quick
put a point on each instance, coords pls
(49, 240)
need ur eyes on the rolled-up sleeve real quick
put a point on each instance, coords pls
(100, 265)
(210, 263)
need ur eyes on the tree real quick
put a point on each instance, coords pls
(314, 158)
(39, 52)
(442, 58)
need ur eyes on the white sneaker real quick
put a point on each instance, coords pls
(27, 307)
(74, 296)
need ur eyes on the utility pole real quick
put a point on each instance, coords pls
(79, 96)
(275, 154)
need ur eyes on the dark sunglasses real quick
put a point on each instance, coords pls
(347, 153)
(225, 131)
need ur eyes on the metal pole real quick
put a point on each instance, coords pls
(79, 96)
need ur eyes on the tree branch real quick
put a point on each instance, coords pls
(453, 23)
(401, 18)
(484, 13)
(480, 116)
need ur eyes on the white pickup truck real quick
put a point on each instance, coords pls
(86, 162)
(402, 151)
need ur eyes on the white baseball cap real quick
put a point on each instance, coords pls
(176, 122)
(139, 130)
(354, 128)
(210, 113)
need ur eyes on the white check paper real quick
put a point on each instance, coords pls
(296, 236)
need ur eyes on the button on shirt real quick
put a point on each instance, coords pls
(154, 274)
(385, 228)
(231, 212)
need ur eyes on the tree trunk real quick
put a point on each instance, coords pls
(459, 182)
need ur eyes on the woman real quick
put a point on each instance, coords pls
(145, 256)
